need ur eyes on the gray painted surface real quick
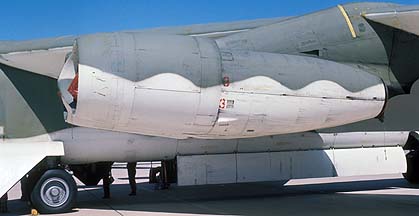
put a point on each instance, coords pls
(391, 123)
(35, 105)
(31, 106)
(16, 112)
(325, 31)
(403, 18)
(221, 28)
(139, 56)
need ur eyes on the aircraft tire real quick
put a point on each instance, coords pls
(412, 174)
(55, 192)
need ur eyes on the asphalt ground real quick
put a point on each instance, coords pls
(365, 195)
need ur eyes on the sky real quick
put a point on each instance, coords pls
(32, 19)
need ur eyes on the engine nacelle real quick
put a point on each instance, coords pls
(180, 86)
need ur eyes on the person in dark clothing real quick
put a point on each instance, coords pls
(107, 180)
(3, 204)
(132, 171)
(24, 188)
(27, 183)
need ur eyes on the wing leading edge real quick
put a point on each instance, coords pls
(31, 55)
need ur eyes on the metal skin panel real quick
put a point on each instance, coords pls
(192, 172)
(325, 31)
(128, 88)
(374, 161)
(210, 87)
(275, 166)
(301, 164)
(326, 34)
(130, 84)
(81, 144)
(253, 167)
(278, 94)
(206, 169)
(34, 61)
(403, 18)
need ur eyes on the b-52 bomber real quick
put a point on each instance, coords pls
(330, 93)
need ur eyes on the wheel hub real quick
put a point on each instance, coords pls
(55, 192)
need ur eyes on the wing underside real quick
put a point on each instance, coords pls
(403, 18)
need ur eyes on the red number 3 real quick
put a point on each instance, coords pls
(222, 103)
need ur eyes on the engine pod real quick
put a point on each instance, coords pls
(278, 94)
(163, 85)
(180, 87)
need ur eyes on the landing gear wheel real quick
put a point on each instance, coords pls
(412, 174)
(55, 192)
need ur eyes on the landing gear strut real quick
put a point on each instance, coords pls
(55, 192)
(412, 174)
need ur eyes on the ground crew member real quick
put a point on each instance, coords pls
(3, 204)
(132, 171)
(24, 187)
(107, 180)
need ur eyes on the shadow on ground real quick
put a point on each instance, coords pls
(268, 198)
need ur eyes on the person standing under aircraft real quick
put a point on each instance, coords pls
(107, 180)
(132, 171)
(3, 204)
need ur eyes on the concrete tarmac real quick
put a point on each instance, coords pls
(366, 195)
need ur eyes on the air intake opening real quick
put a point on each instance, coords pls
(312, 52)
(68, 83)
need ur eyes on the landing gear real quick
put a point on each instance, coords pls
(55, 192)
(164, 175)
(412, 174)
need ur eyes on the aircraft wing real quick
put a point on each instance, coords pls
(215, 30)
(203, 30)
(402, 18)
(31, 55)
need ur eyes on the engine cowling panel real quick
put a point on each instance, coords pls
(179, 87)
